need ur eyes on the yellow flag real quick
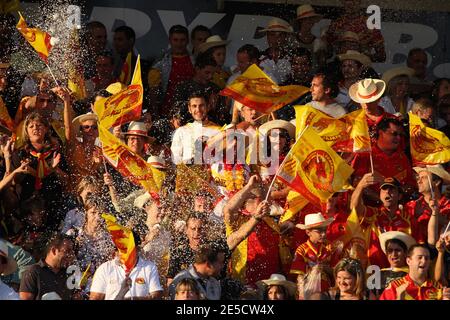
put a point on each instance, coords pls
(349, 133)
(125, 73)
(129, 164)
(296, 202)
(38, 39)
(256, 90)
(124, 106)
(428, 145)
(319, 171)
(124, 240)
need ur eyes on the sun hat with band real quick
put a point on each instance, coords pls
(367, 90)
(279, 25)
(307, 11)
(277, 279)
(277, 124)
(436, 169)
(211, 42)
(357, 56)
(403, 237)
(315, 221)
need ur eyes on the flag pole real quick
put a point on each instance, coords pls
(371, 162)
(446, 229)
(431, 186)
(56, 82)
(282, 163)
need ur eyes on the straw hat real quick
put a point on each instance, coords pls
(395, 72)
(84, 117)
(315, 220)
(277, 24)
(367, 90)
(115, 87)
(403, 237)
(137, 129)
(157, 162)
(349, 36)
(277, 279)
(306, 11)
(51, 296)
(278, 124)
(436, 169)
(211, 42)
(11, 264)
(140, 201)
(355, 55)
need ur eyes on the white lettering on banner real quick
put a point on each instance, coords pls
(374, 280)
(73, 281)
(422, 37)
(374, 21)
(170, 18)
(138, 20)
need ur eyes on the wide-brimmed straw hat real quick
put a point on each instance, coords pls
(278, 124)
(211, 42)
(436, 169)
(280, 25)
(84, 117)
(315, 221)
(136, 128)
(157, 162)
(403, 237)
(277, 279)
(11, 264)
(395, 72)
(349, 36)
(367, 90)
(306, 11)
(357, 56)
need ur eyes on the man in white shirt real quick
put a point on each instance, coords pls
(7, 266)
(209, 261)
(111, 282)
(324, 90)
(187, 143)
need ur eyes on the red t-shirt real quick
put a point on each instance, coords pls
(182, 70)
(429, 290)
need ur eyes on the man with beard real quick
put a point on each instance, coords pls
(389, 216)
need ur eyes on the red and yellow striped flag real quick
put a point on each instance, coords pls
(76, 71)
(428, 145)
(349, 133)
(129, 164)
(313, 169)
(124, 106)
(125, 73)
(5, 118)
(124, 240)
(37, 38)
(256, 90)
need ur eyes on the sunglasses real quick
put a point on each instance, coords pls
(87, 127)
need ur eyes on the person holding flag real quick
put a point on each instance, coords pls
(128, 276)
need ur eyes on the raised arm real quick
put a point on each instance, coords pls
(356, 201)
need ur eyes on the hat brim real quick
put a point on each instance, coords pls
(439, 171)
(361, 58)
(390, 184)
(353, 92)
(400, 71)
(84, 117)
(208, 45)
(321, 224)
(278, 124)
(278, 30)
(290, 286)
(311, 15)
(149, 138)
(403, 237)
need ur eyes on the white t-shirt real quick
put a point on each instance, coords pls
(109, 277)
(7, 293)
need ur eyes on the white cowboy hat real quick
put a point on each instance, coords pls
(367, 90)
(211, 42)
(136, 128)
(115, 87)
(277, 24)
(11, 264)
(395, 72)
(315, 220)
(140, 201)
(403, 237)
(157, 162)
(349, 36)
(436, 169)
(306, 11)
(51, 296)
(278, 124)
(357, 56)
(84, 117)
(279, 280)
